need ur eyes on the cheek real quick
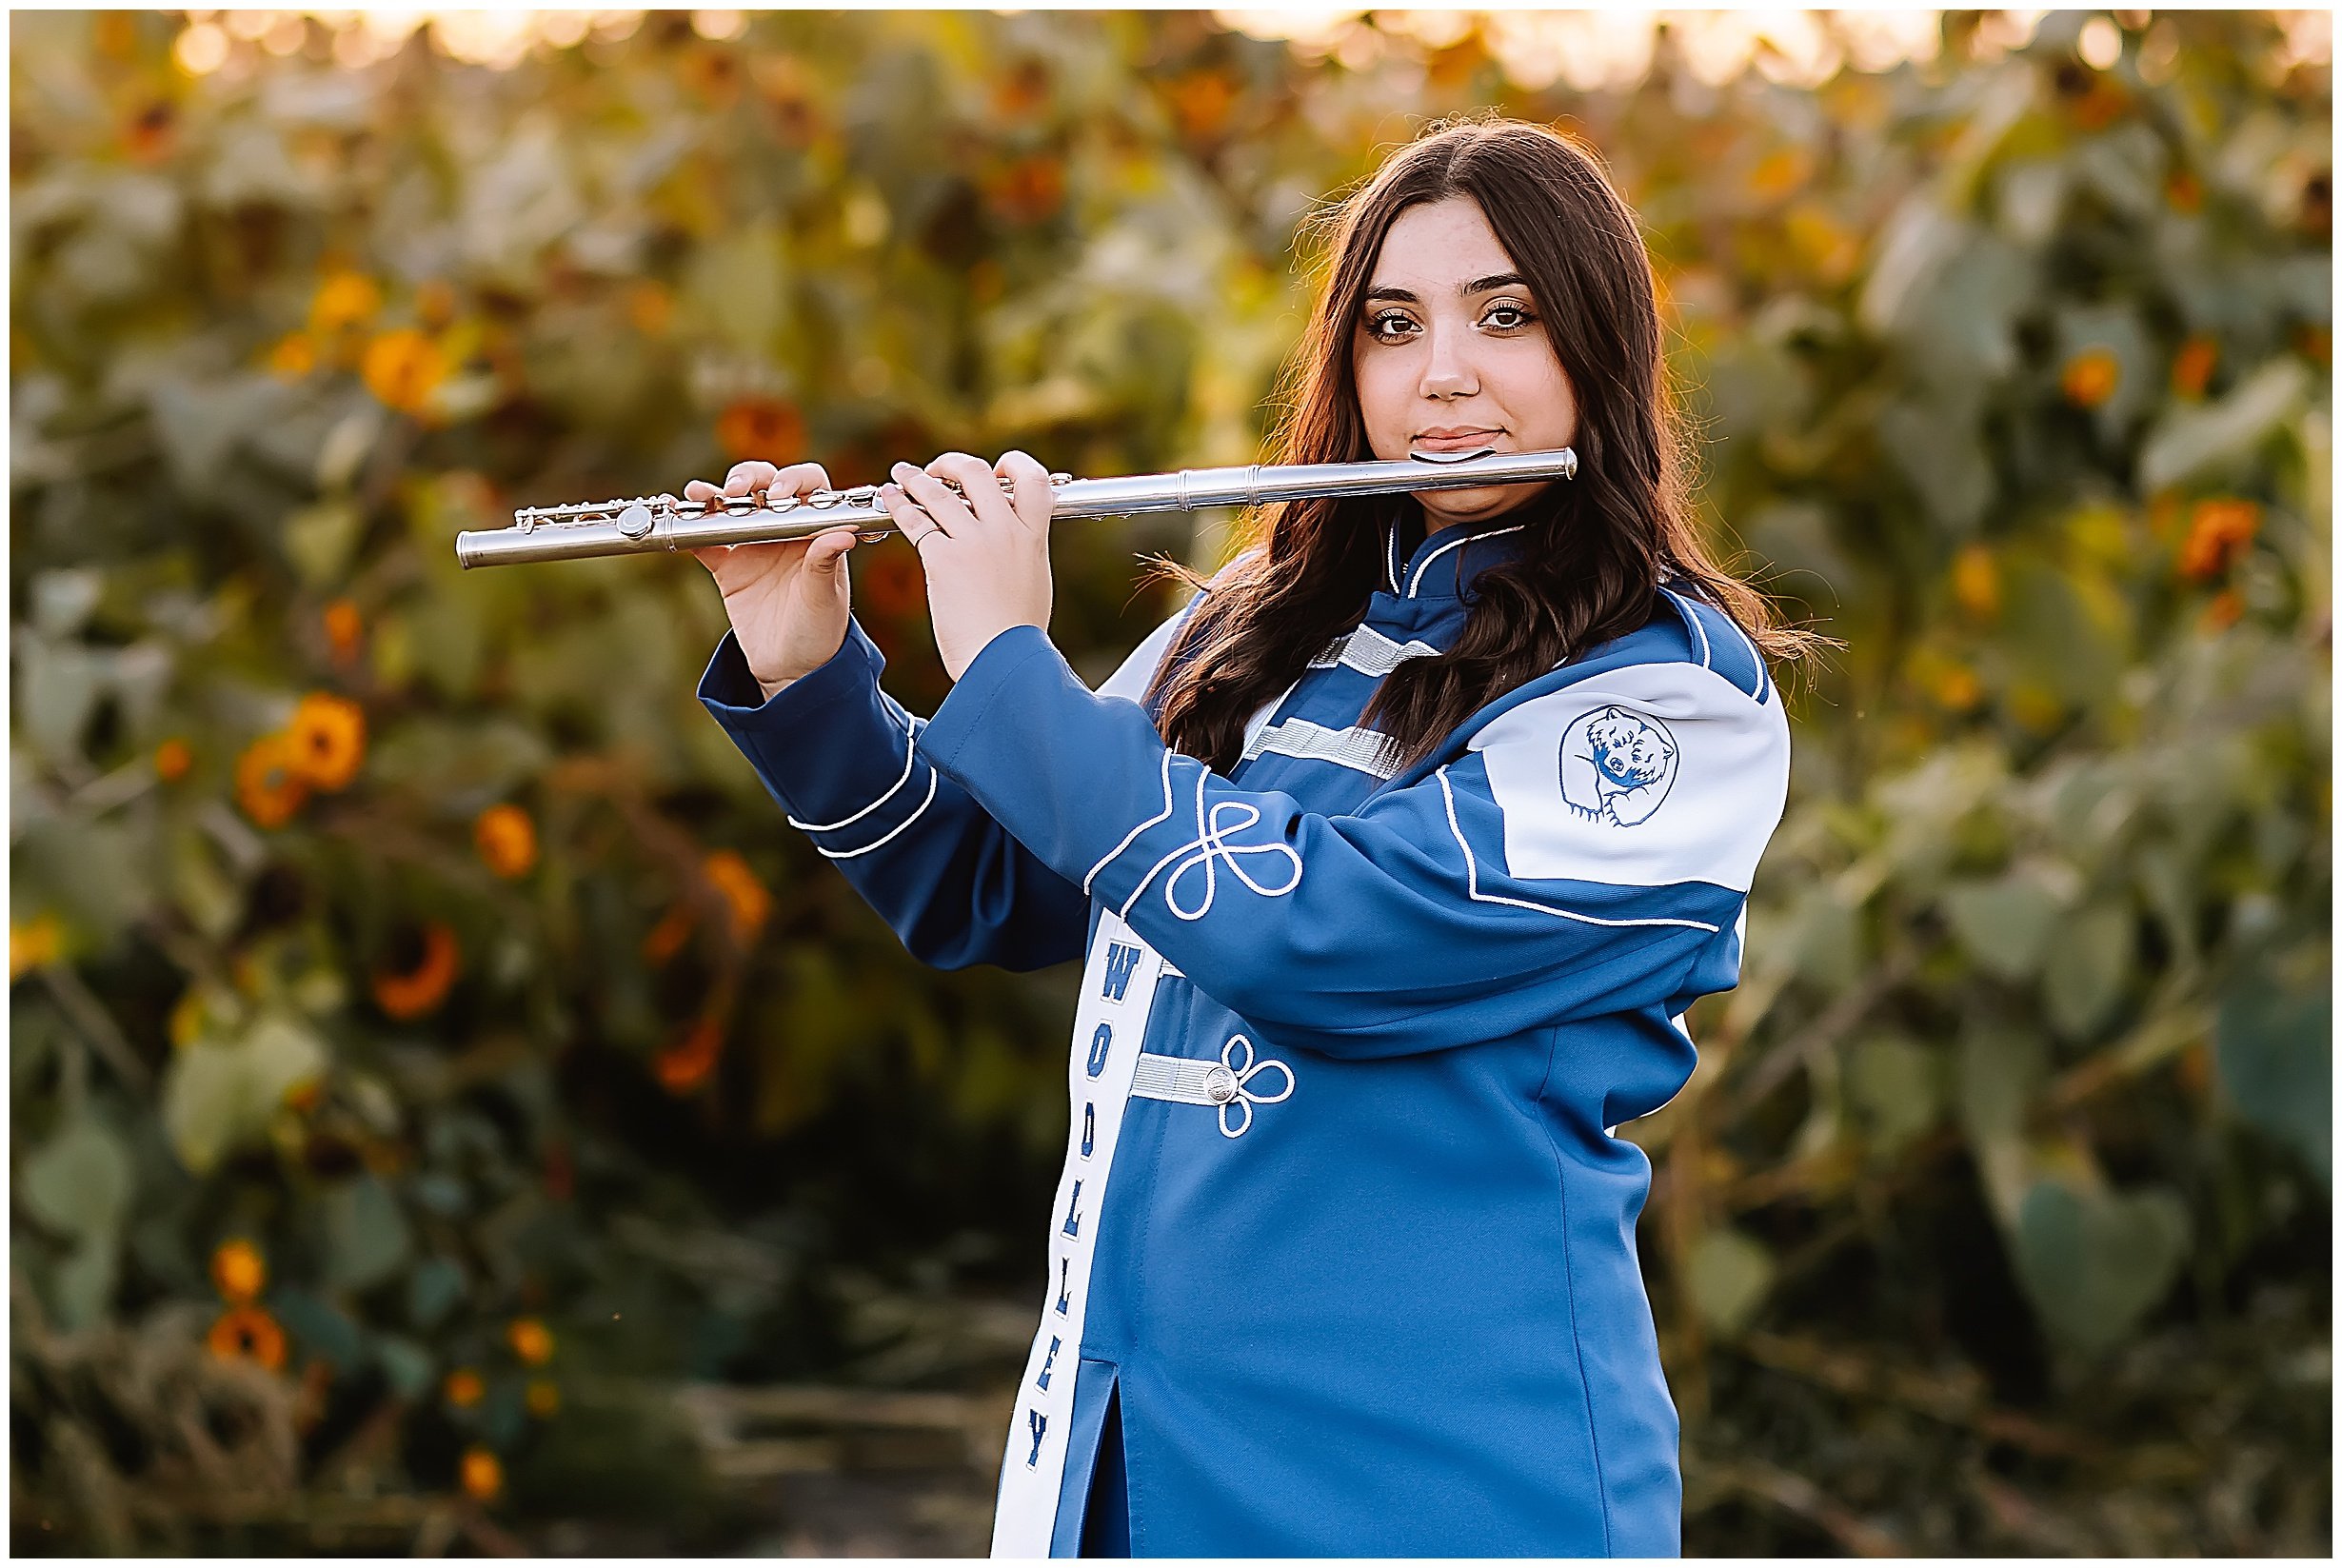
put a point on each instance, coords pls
(1382, 391)
(1535, 386)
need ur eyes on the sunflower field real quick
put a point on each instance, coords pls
(451, 1111)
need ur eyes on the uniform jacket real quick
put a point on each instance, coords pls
(1344, 1221)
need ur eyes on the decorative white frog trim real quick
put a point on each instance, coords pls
(1227, 1084)
(1215, 821)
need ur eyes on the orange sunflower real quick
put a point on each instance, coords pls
(750, 902)
(482, 1475)
(293, 357)
(344, 299)
(403, 367)
(2192, 367)
(2090, 377)
(530, 1340)
(270, 785)
(506, 840)
(1202, 103)
(2217, 533)
(2226, 609)
(415, 992)
(684, 1065)
(1975, 582)
(667, 938)
(239, 1271)
(344, 626)
(33, 942)
(768, 427)
(248, 1333)
(328, 738)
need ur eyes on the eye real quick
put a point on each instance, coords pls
(1382, 325)
(1518, 313)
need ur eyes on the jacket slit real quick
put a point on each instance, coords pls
(1094, 1393)
(1106, 1518)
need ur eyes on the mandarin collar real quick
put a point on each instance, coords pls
(1442, 565)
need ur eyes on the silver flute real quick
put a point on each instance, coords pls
(647, 522)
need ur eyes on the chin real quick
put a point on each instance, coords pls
(1477, 506)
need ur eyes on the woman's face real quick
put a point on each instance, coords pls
(1451, 355)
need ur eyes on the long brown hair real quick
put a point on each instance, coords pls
(1595, 549)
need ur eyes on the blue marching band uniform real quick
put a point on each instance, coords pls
(1342, 1259)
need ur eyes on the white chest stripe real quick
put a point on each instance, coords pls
(1367, 750)
(1369, 653)
(1118, 994)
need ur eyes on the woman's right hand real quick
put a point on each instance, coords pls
(787, 600)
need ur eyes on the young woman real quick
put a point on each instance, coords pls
(1396, 857)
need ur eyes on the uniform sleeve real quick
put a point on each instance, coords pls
(844, 760)
(1590, 853)
(841, 758)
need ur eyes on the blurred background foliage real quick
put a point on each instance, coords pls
(439, 1081)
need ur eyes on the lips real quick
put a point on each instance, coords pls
(1451, 440)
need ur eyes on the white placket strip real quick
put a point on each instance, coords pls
(1117, 993)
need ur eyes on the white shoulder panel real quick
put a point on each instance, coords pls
(1644, 776)
(1136, 671)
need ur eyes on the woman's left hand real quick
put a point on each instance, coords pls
(986, 560)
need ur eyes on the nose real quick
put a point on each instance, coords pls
(1448, 367)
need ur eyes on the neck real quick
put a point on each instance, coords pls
(1434, 523)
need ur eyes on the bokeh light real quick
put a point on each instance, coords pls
(358, 39)
(1597, 50)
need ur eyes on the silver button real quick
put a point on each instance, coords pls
(1221, 1084)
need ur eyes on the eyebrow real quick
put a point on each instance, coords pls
(1494, 280)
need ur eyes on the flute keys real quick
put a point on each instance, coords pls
(635, 521)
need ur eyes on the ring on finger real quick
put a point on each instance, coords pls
(944, 495)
